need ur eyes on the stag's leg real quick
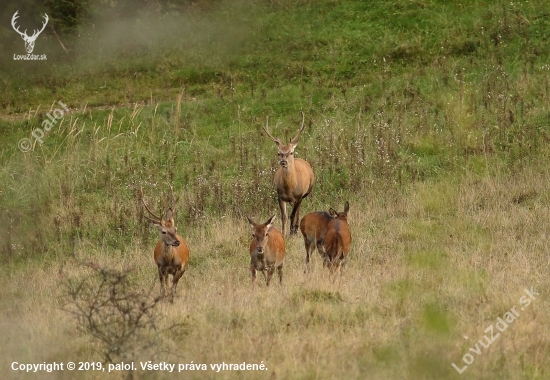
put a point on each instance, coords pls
(340, 270)
(177, 277)
(309, 250)
(326, 262)
(172, 289)
(333, 267)
(280, 273)
(162, 278)
(284, 215)
(342, 265)
(336, 265)
(295, 217)
(270, 272)
(166, 281)
(321, 249)
(253, 272)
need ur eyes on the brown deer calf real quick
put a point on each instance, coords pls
(267, 250)
(338, 239)
(314, 228)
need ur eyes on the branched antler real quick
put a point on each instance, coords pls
(157, 219)
(295, 139)
(172, 209)
(276, 141)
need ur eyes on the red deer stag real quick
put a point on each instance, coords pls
(267, 250)
(337, 239)
(294, 179)
(314, 228)
(171, 252)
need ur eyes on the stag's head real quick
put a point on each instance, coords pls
(29, 40)
(167, 229)
(285, 152)
(259, 234)
(166, 226)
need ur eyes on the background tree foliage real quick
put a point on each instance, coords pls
(69, 16)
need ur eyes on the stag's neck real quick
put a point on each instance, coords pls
(289, 175)
(168, 251)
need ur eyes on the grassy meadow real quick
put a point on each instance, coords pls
(431, 118)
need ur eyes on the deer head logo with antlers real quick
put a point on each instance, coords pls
(29, 40)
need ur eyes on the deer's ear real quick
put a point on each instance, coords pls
(332, 212)
(269, 222)
(169, 214)
(251, 222)
(346, 207)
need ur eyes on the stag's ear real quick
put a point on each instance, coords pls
(294, 141)
(332, 212)
(252, 224)
(170, 215)
(346, 207)
(269, 222)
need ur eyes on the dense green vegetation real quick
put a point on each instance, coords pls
(394, 92)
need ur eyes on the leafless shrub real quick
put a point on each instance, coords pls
(115, 312)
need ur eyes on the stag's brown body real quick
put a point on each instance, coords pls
(338, 239)
(171, 252)
(294, 179)
(267, 250)
(294, 182)
(171, 260)
(314, 228)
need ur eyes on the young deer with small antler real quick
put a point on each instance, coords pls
(171, 252)
(267, 250)
(294, 179)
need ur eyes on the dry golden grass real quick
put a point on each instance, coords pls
(430, 270)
